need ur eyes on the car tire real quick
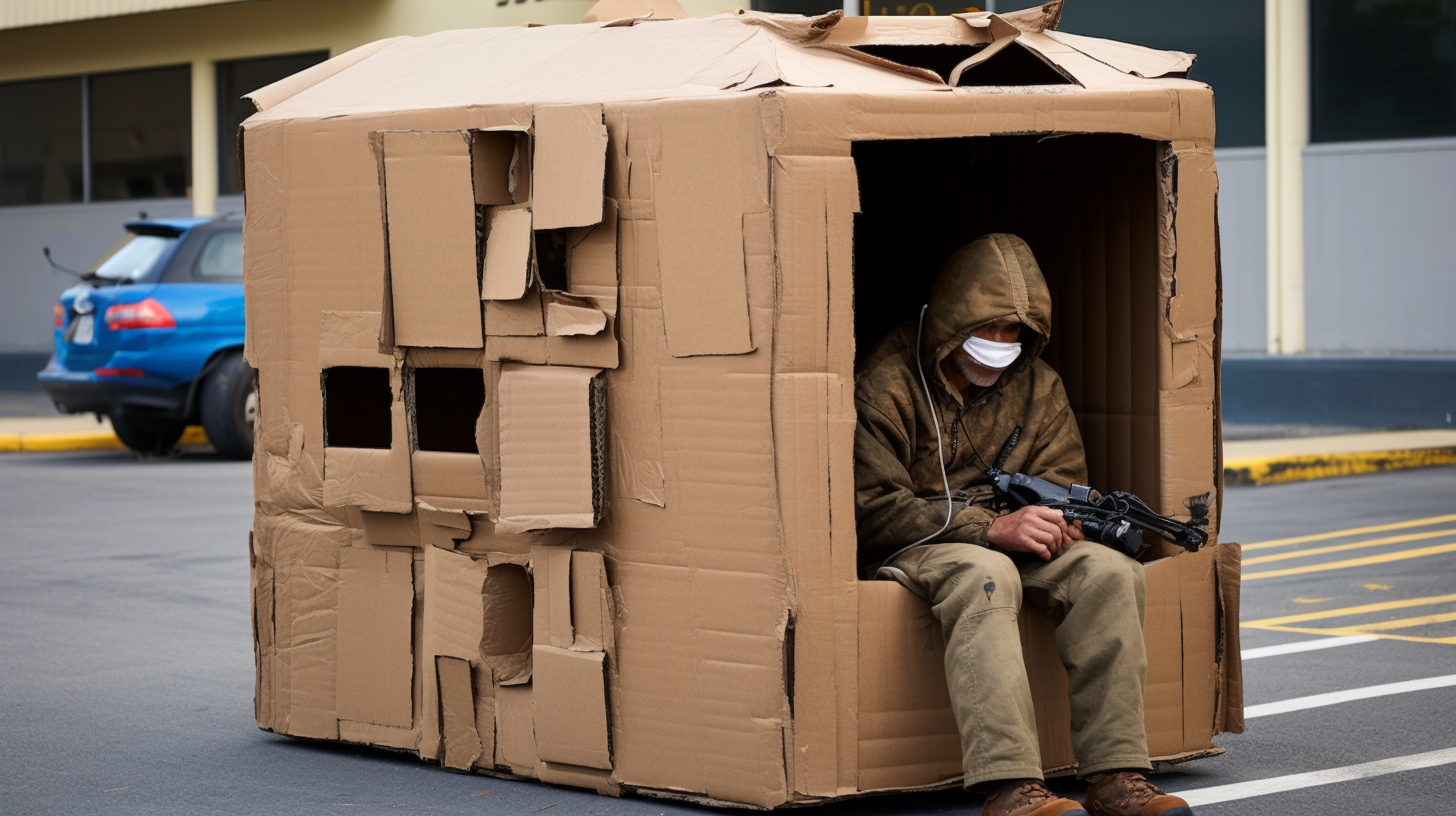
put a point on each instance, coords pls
(229, 407)
(147, 436)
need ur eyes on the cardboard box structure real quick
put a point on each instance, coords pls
(556, 330)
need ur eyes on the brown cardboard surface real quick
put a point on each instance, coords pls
(700, 220)
(569, 688)
(732, 656)
(375, 668)
(549, 475)
(457, 713)
(515, 730)
(507, 254)
(430, 220)
(569, 166)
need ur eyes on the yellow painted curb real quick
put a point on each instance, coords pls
(93, 440)
(1279, 469)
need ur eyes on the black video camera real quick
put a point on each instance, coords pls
(1117, 519)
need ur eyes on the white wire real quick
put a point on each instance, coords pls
(939, 447)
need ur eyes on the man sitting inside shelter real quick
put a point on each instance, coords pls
(936, 401)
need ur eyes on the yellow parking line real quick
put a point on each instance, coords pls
(1403, 555)
(1383, 606)
(1379, 528)
(1406, 623)
(1352, 630)
(1374, 542)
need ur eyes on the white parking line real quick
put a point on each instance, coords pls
(1334, 697)
(1305, 646)
(1279, 784)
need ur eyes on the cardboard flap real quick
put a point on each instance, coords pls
(1002, 35)
(591, 603)
(569, 168)
(516, 318)
(376, 659)
(457, 713)
(442, 528)
(507, 253)
(570, 693)
(430, 239)
(568, 315)
(1038, 18)
(552, 447)
(271, 95)
(515, 728)
(700, 224)
(591, 257)
(1137, 60)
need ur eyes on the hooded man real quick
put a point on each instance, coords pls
(975, 355)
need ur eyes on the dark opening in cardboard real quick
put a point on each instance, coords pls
(356, 407)
(941, 59)
(447, 405)
(552, 247)
(508, 610)
(1087, 206)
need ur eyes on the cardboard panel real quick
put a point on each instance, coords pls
(457, 713)
(700, 213)
(515, 729)
(507, 253)
(450, 481)
(1199, 609)
(571, 707)
(390, 529)
(1230, 712)
(907, 734)
(376, 665)
(569, 169)
(442, 528)
(1163, 636)
(451, 626)
(430, 221)
(591, 603)
(551, 447)
(516, 318)
(591, 257)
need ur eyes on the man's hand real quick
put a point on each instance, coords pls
(1041, 531)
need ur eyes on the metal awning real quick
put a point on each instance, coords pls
(27, 13)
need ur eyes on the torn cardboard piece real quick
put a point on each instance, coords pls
(569, 167)
(507, 253)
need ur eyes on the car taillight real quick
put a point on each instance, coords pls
(119, 372)
(60, 312)
(148, 314)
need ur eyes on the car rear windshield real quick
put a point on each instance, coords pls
(132, 257)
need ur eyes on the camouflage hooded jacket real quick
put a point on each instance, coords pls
(899, 495)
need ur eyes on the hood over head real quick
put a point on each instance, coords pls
(992, 277)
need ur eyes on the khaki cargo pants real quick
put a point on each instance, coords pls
(1095, 596)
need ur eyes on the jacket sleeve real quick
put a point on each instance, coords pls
(888, 513)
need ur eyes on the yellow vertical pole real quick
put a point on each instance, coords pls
(204, 138)
(1286, 109)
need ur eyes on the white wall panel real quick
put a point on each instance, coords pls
(1241, 224)
(1380, 253)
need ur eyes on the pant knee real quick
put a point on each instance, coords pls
(989, 582)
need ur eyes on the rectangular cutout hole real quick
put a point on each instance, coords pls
(357, 404)
(447, 403)
(551, 251)
(508, 624)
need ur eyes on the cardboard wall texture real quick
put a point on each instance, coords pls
(556, 331)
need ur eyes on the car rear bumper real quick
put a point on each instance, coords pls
(79, 392)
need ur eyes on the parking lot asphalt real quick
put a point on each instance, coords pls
(126, 665)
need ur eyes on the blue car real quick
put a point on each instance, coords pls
(152, 337)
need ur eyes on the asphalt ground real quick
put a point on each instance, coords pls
(126, 666)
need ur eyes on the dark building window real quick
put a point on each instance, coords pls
(40, 142)
(1228, 38)
(1382, 69)
(141, 134)
(239, 77)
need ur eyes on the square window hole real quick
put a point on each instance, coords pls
(447, 403)
(357, 407)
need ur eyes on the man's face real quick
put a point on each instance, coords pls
(1005, 330)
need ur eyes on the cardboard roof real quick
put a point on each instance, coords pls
(643, 58)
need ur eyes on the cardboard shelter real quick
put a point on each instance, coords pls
(556, 328)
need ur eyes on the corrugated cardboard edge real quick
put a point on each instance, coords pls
(269, 96)
(1229, 715)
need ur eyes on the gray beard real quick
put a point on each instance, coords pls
(977, 373)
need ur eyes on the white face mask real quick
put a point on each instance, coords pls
(990, 353)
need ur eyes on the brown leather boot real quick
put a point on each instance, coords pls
(1129, 793)
(1028, 797)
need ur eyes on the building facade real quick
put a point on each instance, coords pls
(1336, 146)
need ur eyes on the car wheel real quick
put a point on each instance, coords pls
(145, 435)
(230, 407)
